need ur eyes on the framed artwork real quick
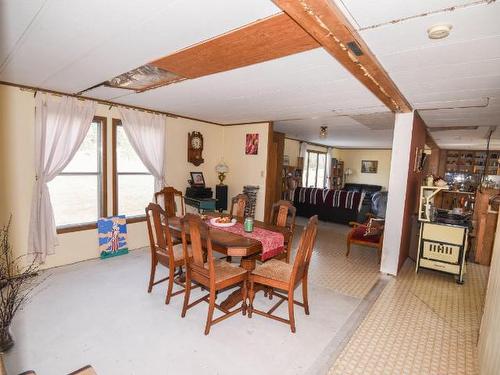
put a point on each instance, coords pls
(112, 233)
(252, 144)
(369, 166)
(197, 179)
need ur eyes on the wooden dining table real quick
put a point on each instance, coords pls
(232, 244)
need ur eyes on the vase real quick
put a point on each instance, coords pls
(6, 341)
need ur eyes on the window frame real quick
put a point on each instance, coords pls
(130, 219)
(318, 153)
(102, 181)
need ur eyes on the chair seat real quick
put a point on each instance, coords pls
(274, 269)
(358, 234)
(225, 270)
(178, 252)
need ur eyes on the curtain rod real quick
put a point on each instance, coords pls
(99, 101)
(309, 143)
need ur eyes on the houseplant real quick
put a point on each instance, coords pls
(16, 283)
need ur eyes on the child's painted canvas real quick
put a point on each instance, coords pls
(112, 236)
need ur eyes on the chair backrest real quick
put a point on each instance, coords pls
(159, 235)
(304, 251)
(197, 230)
(240, 201)
(283, 214)
(169, 193)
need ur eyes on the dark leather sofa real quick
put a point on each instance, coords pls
(369, 190)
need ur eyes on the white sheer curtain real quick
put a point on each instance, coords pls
(303, 155)
(61, 125)
(328, 167)
(146, 133)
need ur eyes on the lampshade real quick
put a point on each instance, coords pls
(221, 167)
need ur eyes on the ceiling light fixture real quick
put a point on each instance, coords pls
(439, 31)
(323, 131)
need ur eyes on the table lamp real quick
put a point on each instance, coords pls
(222, 169)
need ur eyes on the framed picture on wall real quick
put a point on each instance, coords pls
(252, 144)
(369, 166)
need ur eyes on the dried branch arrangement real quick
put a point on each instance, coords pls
(16, 284)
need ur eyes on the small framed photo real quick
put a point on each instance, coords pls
(197, 178)
(369, 166)
(252, 144)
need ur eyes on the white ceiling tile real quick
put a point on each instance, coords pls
(15, 17)
(373, 12)
(79, 44)
(107, 93)
(467, 24)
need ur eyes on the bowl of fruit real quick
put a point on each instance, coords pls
(223, 221)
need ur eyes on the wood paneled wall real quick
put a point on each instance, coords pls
(276, 146)
(414, 181)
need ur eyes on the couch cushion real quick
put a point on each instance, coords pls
(359, 233)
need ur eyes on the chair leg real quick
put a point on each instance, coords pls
(171, 276)
(152, 276)
(244, 294)
(251, 295)
(291, 312)
(187, 292)
(211, 307)
(304, 295)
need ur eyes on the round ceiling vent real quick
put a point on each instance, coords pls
(439, 31)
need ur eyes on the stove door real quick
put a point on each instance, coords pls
(442, 252)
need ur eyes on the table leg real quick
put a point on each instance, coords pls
(236, 297)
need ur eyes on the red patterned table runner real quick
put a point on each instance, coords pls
(272, 242)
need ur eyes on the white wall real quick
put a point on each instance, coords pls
(489, 334)
(17, 170)
(352, 159)
(403, 127)
(246, 169)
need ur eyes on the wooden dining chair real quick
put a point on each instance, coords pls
(283, 215)
(213, 275)
(277, 274)
(163, 250)
(169, 194)
(240, 201)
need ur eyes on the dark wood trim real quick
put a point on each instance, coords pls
(104, 102)
(116, 122)
(337, 147)
(76, 227)
(104, 164)
(136, 219)
(269, 195)
(326, 23)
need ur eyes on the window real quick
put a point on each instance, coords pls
(315, 169)
(78, 194)
(133, 184)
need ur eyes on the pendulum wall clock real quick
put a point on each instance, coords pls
(195, 148)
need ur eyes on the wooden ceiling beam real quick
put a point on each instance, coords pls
(326, 23)
(270, 38)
